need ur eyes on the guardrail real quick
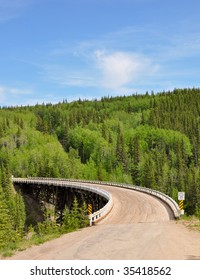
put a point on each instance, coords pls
(102, 212)
(167, 199)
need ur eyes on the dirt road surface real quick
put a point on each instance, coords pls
(139, 227)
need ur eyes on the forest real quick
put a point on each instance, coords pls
(150, 140)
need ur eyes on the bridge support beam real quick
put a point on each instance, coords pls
(59, 196)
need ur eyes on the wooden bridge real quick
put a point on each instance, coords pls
(61, 193)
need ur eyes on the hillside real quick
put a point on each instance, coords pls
(152, 140)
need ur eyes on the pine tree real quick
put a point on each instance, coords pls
(20, 214)
(75, 215)
(83, 216)
(8, 191)
(7, 234)
(64, 137)
(134, 151)
(67, 220)
(120, 150)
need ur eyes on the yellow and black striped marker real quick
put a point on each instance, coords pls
(89, 208)
(181, 204)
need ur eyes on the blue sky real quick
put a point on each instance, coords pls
(52, 50)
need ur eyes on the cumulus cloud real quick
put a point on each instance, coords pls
(120, 69)
(101, 68)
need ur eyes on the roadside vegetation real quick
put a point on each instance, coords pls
(151, 140)
(15, 237)
(191, 222)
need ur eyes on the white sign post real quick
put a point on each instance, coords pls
(181, 197)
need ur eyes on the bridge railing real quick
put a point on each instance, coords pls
(167, 199)
(94, 217)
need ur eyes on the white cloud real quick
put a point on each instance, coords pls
(119, 69)
(17, 92)
(100, 68)
(8, 95)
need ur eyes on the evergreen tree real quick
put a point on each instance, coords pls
(120, 150)
(7, 233)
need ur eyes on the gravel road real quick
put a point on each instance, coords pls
(139, 227)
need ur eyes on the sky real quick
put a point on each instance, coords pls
(55, 50)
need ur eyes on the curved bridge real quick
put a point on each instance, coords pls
(140, 226)
(91, 186)
(59, 193)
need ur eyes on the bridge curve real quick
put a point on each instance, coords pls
(140, 226)
(165, 198)
(95, 216)
(93, 186)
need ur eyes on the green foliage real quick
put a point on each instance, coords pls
(49, 225)
(12, 213)
(151, 140)
(7, 233)
(76, 218)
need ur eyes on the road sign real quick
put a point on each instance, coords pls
(181, 195)
(181, 207)
(89, 208)
(181, 204)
